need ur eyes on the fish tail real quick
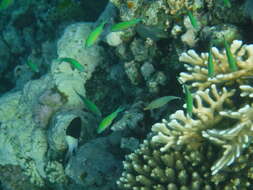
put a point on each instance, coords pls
(120, 109)
(102, 23)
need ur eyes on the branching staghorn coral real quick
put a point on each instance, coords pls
(197, 66)
(183, 129)
(233, 140)
(219, 115)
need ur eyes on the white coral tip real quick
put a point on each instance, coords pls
(245, 87)
(244, 109)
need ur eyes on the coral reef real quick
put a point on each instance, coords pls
(197, 65)
(59, 124)
(34, 119)
(21, 139)
(182, 168)
(12, 177)
(209, 149)
(32, 27)
(149, 168)
(218, 114)
(167, 22)
(114, 38)
(71, 45)
(56, 173)
(222, 115)
(131, 118)
(170, 14)
(129, 143)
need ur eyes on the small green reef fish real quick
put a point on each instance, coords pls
(210, 64)
(34, 67)
(227, 3)
(231, 60)
(125, 25)
(107, 121)
(4, 4)
(193, 20)
(90, 105)
(159, 102)
(94, 35)
(188, 98)
(73, 62)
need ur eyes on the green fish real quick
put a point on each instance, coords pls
(73, 62)
(193, 20)
(107, 121)
(125, 25)
(4, 4)
(94, 35)
(188, 98)
(34, 67)
(210, 64)
(90, 105)
(231, 60)
(159, 102)
(227, 3)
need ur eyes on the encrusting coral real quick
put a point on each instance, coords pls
(222, 114)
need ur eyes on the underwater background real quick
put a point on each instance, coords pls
(126, 95)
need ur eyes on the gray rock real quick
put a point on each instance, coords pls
(94, 166)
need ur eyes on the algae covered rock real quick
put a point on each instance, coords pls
(72, 44)
(59, 124)
(27, 140)
(23, 143)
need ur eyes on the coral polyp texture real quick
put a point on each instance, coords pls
(148, 168)
(222, 118)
